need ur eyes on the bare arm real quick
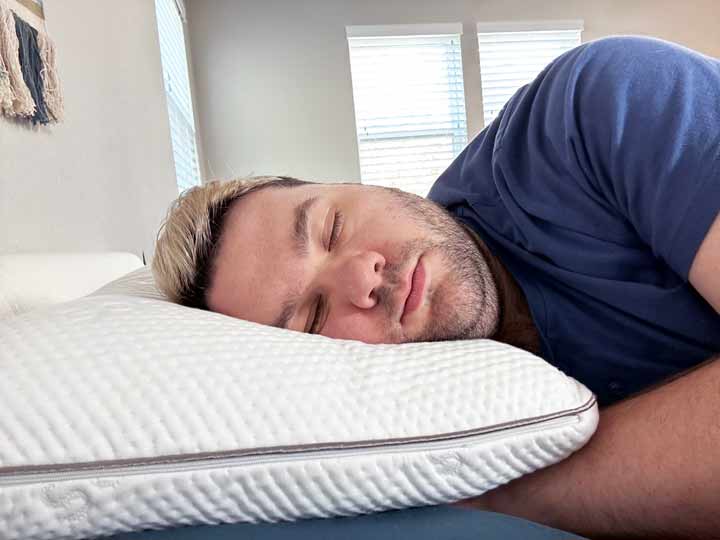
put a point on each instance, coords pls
(652, 470)
(705, 270)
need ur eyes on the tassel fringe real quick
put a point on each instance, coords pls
(52, 93)
(22, 101)
(32, 68)
(6, 95)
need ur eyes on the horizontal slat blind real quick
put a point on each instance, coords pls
(409, 108)
(177, 89)
(509, 60)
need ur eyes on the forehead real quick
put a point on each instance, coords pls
(252, 271)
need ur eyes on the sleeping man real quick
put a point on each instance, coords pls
(582, 225)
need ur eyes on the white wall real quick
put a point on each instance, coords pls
(272, 77)
(103, 179)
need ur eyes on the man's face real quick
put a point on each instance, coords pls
(352, 262)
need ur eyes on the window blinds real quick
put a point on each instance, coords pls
(510, 58)
(409, 107)
(177, 89)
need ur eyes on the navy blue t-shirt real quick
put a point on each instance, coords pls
(595, 187)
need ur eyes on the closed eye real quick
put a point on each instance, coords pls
(317, 316)
(338, 221)
(320, 305)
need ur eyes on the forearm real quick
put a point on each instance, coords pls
(651, 470)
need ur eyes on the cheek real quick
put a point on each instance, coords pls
(359, 326)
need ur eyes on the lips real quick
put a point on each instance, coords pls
(416, 291)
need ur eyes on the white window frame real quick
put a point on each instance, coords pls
(530, 26)
(401, 31)
(392, 30)
(181, 115)
(576, 25)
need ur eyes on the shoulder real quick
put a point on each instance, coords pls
(622, 52)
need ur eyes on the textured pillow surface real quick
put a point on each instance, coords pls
(123, 411)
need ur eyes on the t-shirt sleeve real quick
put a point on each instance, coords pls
(639, 119)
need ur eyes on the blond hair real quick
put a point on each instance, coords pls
(188, 239)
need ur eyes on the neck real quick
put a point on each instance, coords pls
(515, 326)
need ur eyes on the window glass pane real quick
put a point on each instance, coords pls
(409, 108)
(509, 60)
(177, 89)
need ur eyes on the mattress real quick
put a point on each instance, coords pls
(122, 411)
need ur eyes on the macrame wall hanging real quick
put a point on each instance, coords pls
(29, 84)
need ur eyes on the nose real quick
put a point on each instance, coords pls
(358, 278)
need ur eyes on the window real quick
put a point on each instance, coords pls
(513, 54)
(170, 17)
(409, 102)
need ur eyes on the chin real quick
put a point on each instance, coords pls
(460, 314)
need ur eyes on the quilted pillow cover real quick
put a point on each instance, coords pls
(122, 411)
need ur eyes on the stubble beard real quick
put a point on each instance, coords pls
(465, 305)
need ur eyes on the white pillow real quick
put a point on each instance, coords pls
(34, 280)
(122, 412)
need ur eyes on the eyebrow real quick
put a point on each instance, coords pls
(301, 229)
(288, 310)
(301, 240)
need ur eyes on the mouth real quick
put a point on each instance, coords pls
(416, 290)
